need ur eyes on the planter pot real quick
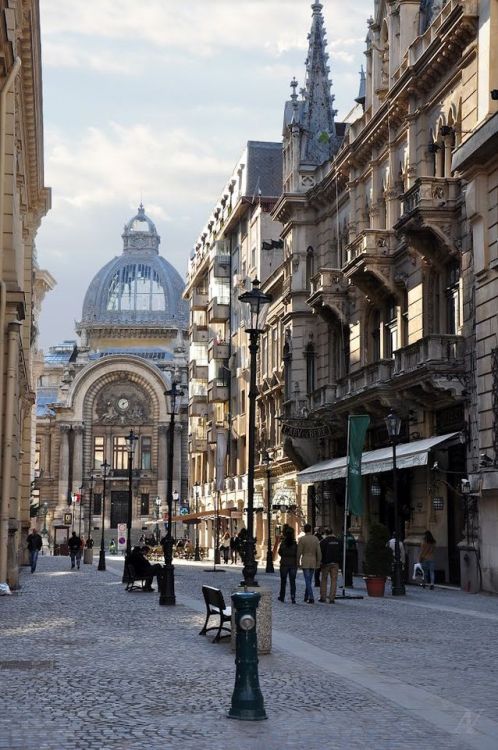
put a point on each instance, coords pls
(375, 585)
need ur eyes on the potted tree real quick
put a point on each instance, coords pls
(378, 560)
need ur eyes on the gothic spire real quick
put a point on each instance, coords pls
(320, 140)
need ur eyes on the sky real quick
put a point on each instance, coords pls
(154, 101)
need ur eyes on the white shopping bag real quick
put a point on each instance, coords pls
(418, 571)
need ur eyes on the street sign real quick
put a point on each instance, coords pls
(122, 536)
(184, 510)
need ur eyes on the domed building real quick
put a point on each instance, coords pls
(114, 378)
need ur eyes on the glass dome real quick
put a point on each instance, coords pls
(139, 286)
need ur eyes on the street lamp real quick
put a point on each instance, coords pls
(90, 505)
(258, 303)
(158, 513)
(81, 508)
(131, 439)
(167, 578)
(197, 552)
(266, 459)
(393, 425)
(176, 497)
(101, 566)
(44, 514)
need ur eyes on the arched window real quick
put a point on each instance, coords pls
(453, 321)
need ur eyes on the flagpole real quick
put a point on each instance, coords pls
(346, 510)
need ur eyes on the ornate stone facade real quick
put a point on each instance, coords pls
(91, 394)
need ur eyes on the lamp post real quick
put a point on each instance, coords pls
(197, 552)
(393, 425)
(167, 579)
(266, 459)
(158, 512)
(44, 514)
(258, 303)
(217, 558)
(176, 497)
(81, 508)
(90, 506)
(101, 566)
(131, 439)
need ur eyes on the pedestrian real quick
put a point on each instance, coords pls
(392, 546)
(426, 558)
(112, 547)
(89, 543)
(225, 547)
(288, 564)
(319, 536)
(242, 543)
(233, 550)
(75, 545)
(330, 547)
(35, 544)
(309, 557)
(143, 568)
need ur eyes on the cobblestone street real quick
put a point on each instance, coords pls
(88, 666)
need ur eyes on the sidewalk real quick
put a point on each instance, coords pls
(91, 667)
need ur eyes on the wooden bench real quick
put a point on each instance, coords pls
(132, 578)
(215, 605)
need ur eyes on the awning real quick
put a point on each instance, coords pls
(204, 515)
(408, 455)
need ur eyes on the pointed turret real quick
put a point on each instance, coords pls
(360, 99)
(320, 139)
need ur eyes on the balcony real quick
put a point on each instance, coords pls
(221, 266)
(199, 334)
(217, 350)
(213, 432)
(199, 299)
(219, 310)
(217, 392)
(369, 263)
(198, 442)
(323, 397)
(439, 352)
(329, 295)
(198, 370)
(429, 217)
(369, 376)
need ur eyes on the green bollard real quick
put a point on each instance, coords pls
(247, 699)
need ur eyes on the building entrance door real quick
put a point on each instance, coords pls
(119, 508)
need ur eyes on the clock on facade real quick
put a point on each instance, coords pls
(123, 404)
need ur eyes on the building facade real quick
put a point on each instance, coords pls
(115, 378)
(24, 200)
(383, 294)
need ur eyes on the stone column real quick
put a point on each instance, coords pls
(63, 466)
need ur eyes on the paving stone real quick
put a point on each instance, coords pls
(91, 667)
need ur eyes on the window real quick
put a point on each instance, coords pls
(97, 503)
(274, 348)
(146, 453)
(310, 267)
(453, 298)
(119, 453)
(375, 336)
(98, 451)
(391, 329)
(309, 354)
(144, 504)
(37, 460)
(287, 357)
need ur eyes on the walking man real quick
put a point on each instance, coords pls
(74, 545)
(309, 557)
(35, 544)
(331, 556)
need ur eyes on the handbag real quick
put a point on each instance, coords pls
(418, 571)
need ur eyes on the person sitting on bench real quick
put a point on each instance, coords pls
(143, 568)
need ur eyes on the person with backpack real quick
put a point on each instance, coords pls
(35, 544)
(75, 550)
(331, 559)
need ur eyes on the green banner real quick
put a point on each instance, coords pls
(357, 429)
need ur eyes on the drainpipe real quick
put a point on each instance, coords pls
(10, 406)
(4, 501)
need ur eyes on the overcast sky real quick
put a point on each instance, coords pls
(154, 101)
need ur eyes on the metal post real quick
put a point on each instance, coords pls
(45, 511)
(269, 551)
(90, 507)
(167, 578)
(398, 587)
(101, 565)
(250, 565)
(217, 559)
(81, 510)
(197, 553)
(247, 699)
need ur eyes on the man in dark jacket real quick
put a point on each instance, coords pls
(35, 544)
(75, 546)
(143, 568)
(331, 557)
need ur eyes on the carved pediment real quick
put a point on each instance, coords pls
(122, 404)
